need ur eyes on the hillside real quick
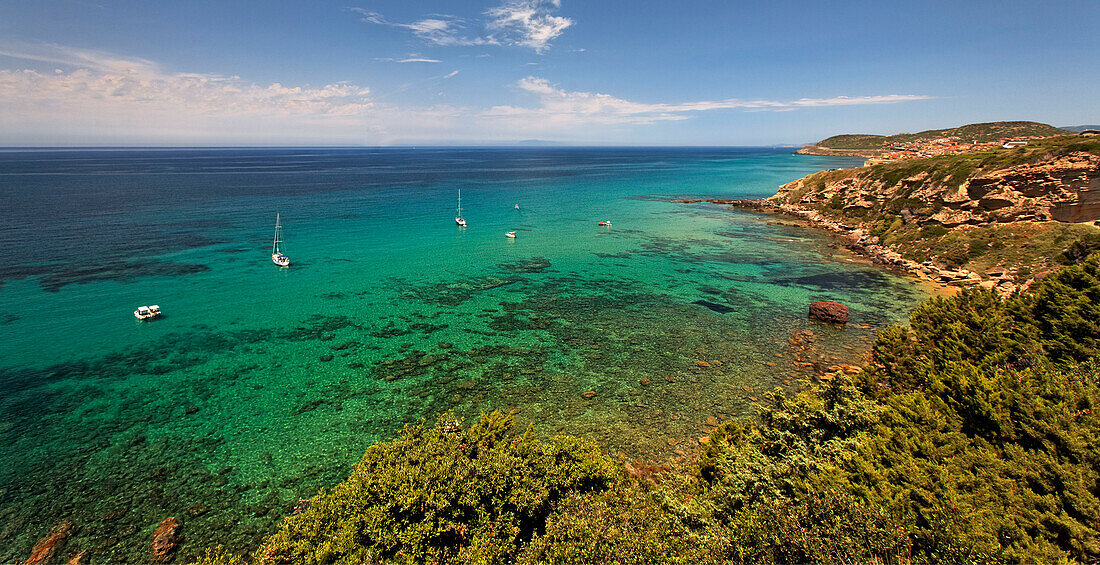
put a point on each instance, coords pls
(865, 145)
(1002, 216)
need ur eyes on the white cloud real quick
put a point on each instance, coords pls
(525, 23)
(72, 56)
(413, 58)
(528, 23)
(564, 108)
(103, 82)
(96, 98)
(440, 29)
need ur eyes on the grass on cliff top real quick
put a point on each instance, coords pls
(1027, 247)
(953, 170)
(974, 133)
(853, 141)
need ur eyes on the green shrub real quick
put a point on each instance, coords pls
(933, 230)
(442, 493)
(634, 523)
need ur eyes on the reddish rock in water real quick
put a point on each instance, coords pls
(589, 394)
(79, 559)
(165, 539)
(47, 547)
(831, 312)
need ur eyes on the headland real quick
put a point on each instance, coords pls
(1000, 218)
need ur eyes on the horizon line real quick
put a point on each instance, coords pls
(403, 146)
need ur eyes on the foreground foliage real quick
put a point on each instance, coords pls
(971, 438)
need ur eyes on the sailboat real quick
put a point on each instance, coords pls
(459, 219)
(276, 256)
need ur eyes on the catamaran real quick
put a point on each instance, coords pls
(276, 256)
(459, 219)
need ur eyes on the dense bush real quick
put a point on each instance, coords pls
(442, 493)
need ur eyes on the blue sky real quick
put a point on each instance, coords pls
(382, 72)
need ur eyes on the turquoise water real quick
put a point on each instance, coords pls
(261, 385)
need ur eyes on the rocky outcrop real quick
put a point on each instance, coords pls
(1046, 184)
(50, 545)
(829, 312)
(165, 540)
(1065, 188)
(830, 152)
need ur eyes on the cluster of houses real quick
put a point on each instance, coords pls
(923, 148)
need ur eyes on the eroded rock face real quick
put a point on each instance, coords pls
(1065, 188)
(830, 312)
(165, 540)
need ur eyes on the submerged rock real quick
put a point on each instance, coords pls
(589, 394)
(165, 540)
(47, 547)
(829, 312)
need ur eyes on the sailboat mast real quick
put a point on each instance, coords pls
(460, 203)
(275, 244)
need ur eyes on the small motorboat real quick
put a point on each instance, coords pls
(510, 234)
(606, 223)
(147, 312)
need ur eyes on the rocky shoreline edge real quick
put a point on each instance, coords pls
(862, 243)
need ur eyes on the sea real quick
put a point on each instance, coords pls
(260, 385)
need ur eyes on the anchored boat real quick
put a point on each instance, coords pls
(147, 312)
(277, 256)
(458, 218)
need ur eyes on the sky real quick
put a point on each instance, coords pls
(575, 72)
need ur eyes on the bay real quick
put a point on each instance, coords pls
(260, 384)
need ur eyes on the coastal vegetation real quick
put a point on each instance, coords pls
(969, 437)
(867, 144)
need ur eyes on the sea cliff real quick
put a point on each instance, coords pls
(999, 218)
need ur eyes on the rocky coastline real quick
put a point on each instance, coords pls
(830, 152)
(862, 243)
(998, 219)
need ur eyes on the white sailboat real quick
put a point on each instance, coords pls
(459, 219)
(276, 256)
